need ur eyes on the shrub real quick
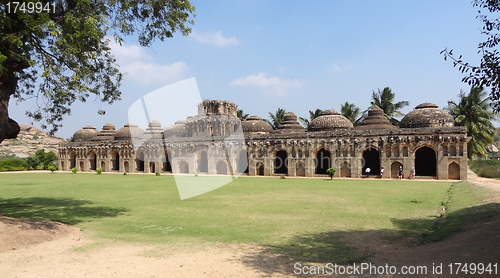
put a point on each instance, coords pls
(331, 172)
(486, 168)
(51, 168)
(157, 173)
(124, 173)
(99, 171)
(282, 177)
(35, 136)
(13, 164)
(74, 170)
(196, 173)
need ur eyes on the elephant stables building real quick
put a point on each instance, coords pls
(216, 142)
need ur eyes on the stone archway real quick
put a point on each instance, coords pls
(139, 161)
(300, 170)
(323, 161)
(183, 167)
(72, 160)
(203, 162)
(221, 168)
(425, 162)
(82, 166)
(259, 169)
(242, 162)
(280, 162)
(453, 171)
(126, 166)
(167, 166)
(394, 169)
(93, 160)
(115, 161)
(103, 166)
(345, 170)
(372, 159)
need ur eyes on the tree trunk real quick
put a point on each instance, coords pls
(8, 127)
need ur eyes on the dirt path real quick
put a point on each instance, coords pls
(39, 248)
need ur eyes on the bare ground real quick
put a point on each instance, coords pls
(40, 248)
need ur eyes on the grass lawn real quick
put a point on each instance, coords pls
(272, 212)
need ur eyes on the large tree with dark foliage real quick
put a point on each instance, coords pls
(58, 52)
(487, 73)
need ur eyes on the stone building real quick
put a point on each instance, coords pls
(217, 142)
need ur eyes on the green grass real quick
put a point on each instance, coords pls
(301, 217)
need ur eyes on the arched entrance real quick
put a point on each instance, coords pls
(300, 170)
(139, 161)
(93, 161)
(126, 166)
(243, 162)
(72, 160)
(425, 162)
(259, 169)
(82, 166)
(280, 162)
(63, 167)
(372, 159)
(115, 161)
(394, 169)
(453, 171)
(221, 168)
(345, 171)
(167, 167)
(152, 167)
(203, 162)
(103, 166)
(183, 167)
(323, 161)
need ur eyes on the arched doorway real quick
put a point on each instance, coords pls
(323, 161)
(259, 169)
(72, 160)
(243, 162)
(93, 161)
(115, 161)
(300, 170)
(167, 167)
(126, 166)
(453, 171)
(139, 161)
(221, 168)
(82, 166)
(345, 171)
(203, 162)
(63, 168)
(394, 169)
(280, 162)
(183, 167)
(152, 167)
(372, 159)
(425, 162)
(103, 166)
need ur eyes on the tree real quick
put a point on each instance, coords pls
(60, 54)
(473, 111)
(241, 114)
(312, 115)
(385, 100)
(352, 112)
(44, 158)
(276, 118)
(487, 73)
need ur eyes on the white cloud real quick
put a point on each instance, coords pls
(274, 84)
(214, 38)
(337, 68)
(139, 66)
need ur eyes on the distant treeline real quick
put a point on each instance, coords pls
(486, 168)
(40, 161)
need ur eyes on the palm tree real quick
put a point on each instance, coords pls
(385, 100)
(312, 115)
(474, 112)
(352, 112)
(277, 118)
(241, 115)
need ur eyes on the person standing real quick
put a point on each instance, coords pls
(367, 171)
(413, 172)
(382, 172)
(400, 173)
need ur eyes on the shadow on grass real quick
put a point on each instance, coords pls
(348, 247)
(65, 210)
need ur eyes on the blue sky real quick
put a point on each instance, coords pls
(298, 55)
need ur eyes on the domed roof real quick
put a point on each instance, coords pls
(129, 131)
(178, 129)
(290, 124)
(107, 133)
(87, 133)
(255, 125)
(376, 120)
(154, 130)
(427, 115)
(330, 120)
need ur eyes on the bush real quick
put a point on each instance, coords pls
(282, 177)
(74, 170)
(35, 136)
(157, 173)
(196, 173)
(99, 171)
(51, 168)
(124, 173)
(331, 172)
(13, 164)
(486, 168)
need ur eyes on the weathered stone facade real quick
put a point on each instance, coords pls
(208, 143)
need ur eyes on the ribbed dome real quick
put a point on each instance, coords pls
(87, 133)
(376, 120)
(255, 125)
(129, 131)
(427, 115)
(178, 129)
(107, 133)
(290, 124)
(330, 120)
(154, 130)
